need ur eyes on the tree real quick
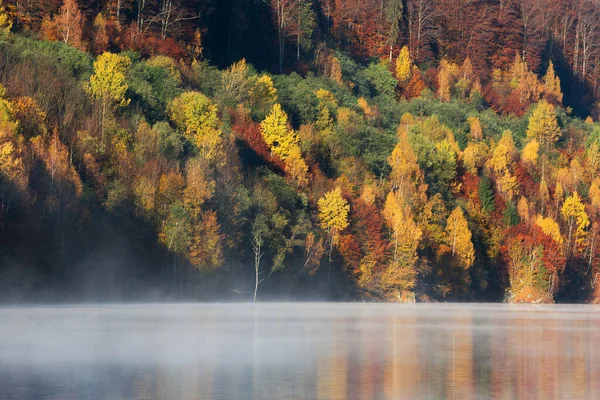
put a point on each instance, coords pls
(262, 95)
(550, 227)
(543, 125)
(257, 242)
(594, 198)
(100, 42)
(406, 238)
(502, 163)
(107, 85)
(403, 66)
(475, 128)
(302, 26)
(333, 214)
(393, 15)
(530, 152)
(14, 175)
(592, 162)
(406, 175)
(199, 187)
(534, 261)
(573, 211)
(285, 12)
(236, 82)
(313, 251)
(296, 167)
(459, 238)
(280, 139)
(69, 24)
(523, 209)
(474, 156)
(446, 76)
(485, 191)
(552, 89)
(421, 20)
(205, 248)
(175, 230)
(196, 115)
(544, 195)
(416, 85)
(5, 23)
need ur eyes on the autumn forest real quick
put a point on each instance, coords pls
(373, 150)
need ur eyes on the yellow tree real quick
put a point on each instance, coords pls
(543, 126)
(474, 156)
(13, 168)
(403, 66)
(196, 115)
(475, 128)
(458, 237)
(502, 163)
(446, 75)
(552, 84)
(296, 167)
(5, 22)
(592, 161)
(406, 176)
(262, 94)
(406, 235)
(199, 187)
(530, 152)
(284, 143)
(573, 211)
(324, 122)
(550, 227)
(523, 209)
(333, 214)
(107, 85)
(594, 196)
(276, 133)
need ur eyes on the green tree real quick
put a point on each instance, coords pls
(486, 195)
(393, 15)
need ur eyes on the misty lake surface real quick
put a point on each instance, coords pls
(300, 351)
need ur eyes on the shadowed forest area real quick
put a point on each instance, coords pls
(378, 150)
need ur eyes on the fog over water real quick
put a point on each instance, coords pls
(299, 351)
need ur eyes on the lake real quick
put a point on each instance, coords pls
(300, 351)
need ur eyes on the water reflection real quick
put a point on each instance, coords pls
(300, 351)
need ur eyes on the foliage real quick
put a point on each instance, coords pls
(196, 116)
(403, 66)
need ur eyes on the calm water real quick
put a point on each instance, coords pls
(300, 351)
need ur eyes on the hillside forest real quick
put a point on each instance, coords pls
(374, 150)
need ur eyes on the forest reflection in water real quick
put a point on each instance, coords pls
(300, 351)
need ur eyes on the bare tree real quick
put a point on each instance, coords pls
(285, 12)
(257, 247)
(420, 21)
(587, 36)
